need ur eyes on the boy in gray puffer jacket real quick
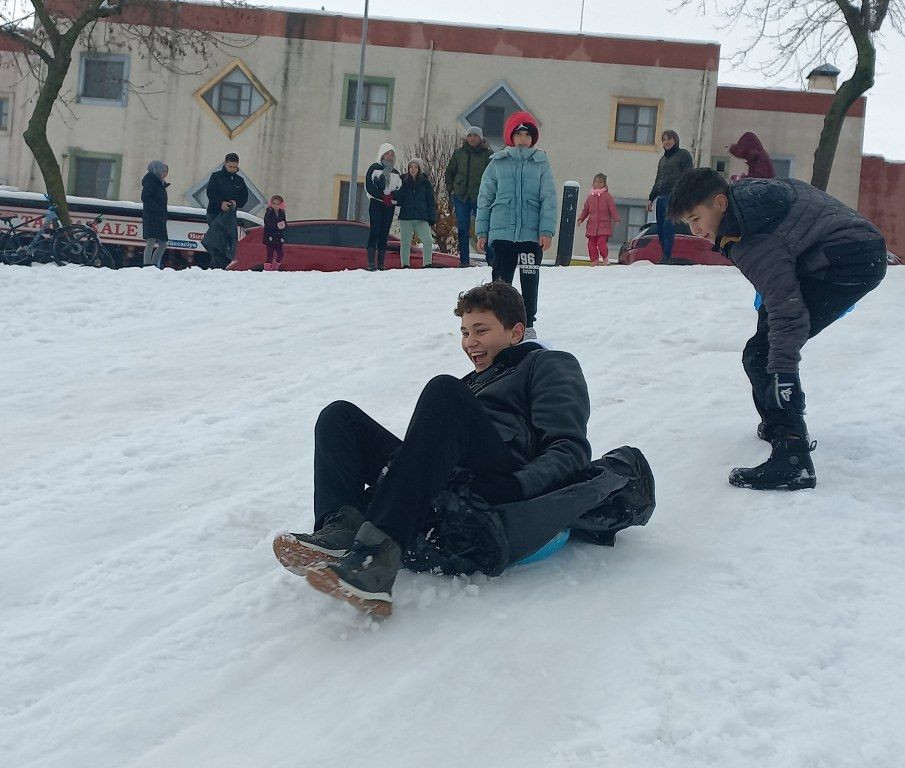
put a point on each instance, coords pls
(810, 257)
(517, 210)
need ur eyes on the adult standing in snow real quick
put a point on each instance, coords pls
(517, 423)
(227, 193)
(811, 258)
(417, 212)
(154, 213)
(749, 149)
(672, 165)
(382, 180)
(463, 182)
(517, 210)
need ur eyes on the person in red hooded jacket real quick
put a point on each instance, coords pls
(749, 149)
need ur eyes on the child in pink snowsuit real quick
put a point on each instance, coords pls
(600, 212)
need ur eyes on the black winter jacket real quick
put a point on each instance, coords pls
(778, 231)
(416, 200)
(538, 401)
(154, 207)
(376, 184)
(670, 168)
(223, 186)
(273, 235)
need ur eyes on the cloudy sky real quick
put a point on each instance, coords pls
(650, 18)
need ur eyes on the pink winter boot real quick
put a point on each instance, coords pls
(268, 267)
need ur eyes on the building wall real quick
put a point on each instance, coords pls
(299, 148)
(882, 199)
(789, 123)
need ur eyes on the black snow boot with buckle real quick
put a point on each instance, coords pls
(789, 468)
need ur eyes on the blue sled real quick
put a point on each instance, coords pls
(554, 545)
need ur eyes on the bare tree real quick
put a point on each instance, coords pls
(435, 149)
(45, 35)
(805, 33)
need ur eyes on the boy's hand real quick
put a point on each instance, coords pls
(650, 205)
(545, 242)
(481, 244)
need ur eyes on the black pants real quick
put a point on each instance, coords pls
(381, 217)
(449, 429)
(527, 256)
(826, 303)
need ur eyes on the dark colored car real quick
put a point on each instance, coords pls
(326, 245)
(687, 249)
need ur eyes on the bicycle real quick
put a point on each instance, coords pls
(73, 244)
(22, 247)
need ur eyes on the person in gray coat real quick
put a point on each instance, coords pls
(810, 257)
(154, 213)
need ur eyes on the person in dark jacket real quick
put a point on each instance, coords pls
(154, 213)
(382, 181)
(463, 182)
(417, 212)
(672, 165)
(517, 424)
(226, 188)
(227, 193)
(274, 227)
(749, 149)
(810, 257)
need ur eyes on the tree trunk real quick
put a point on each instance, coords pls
(36, 133)
(849, 92)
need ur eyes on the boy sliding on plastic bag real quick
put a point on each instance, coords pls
(517, 424)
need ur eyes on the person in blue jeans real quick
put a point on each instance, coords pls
(672, 165)
(463, 180)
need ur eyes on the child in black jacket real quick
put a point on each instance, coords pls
(274, 226)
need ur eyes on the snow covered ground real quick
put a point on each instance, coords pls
(157, 431)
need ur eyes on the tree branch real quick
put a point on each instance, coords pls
(26, 42)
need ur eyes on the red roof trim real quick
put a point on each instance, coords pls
(774, 100)
(332, 28)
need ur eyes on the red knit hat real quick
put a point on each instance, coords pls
(521, 121)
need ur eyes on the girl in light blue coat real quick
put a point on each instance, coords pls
(517, 210)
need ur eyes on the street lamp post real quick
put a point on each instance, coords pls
(359, 98)
(581, 22)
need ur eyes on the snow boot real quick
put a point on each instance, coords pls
(789, 468)
(297, 551)
(268, 266)
(381, 260)
(364, 576)
(371, 265)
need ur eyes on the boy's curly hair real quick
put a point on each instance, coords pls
(500, 298)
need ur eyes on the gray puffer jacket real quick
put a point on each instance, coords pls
(538, 401)
(778, 231)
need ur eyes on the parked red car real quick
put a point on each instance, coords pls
(325, 245)
(687, 249)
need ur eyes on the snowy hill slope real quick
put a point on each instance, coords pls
(157, 430)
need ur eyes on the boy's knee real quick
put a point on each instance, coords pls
(443, 385)
(337, 410)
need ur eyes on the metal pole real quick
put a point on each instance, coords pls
(581, 22)
(359, 98)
